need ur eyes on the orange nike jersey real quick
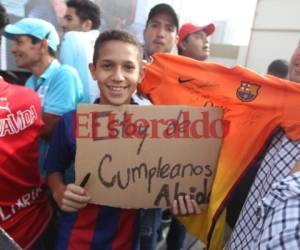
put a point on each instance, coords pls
(255, 105)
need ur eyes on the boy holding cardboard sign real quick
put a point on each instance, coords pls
(117, 67)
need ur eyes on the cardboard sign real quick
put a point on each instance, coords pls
(145, 156)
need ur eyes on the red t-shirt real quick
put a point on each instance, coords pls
(24, 207)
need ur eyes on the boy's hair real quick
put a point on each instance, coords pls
(86, 10)
(116, 35)
(4, 20)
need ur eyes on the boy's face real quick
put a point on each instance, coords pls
(117, 71)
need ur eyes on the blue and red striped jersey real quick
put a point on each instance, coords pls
(95, 226)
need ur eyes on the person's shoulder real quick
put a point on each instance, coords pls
(67, 78)
(93, 33)
(86, 38)
(65, 70)
(18, 90)
(72, 40)
(19, 97)
(73, 34)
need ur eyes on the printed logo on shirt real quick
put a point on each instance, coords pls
(14, 123)
(4, 104)
(184, 80)
(24, 201)
(150, 60)
(247, 92)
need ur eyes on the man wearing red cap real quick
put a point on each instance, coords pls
(193, 41)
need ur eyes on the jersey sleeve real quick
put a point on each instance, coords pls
(61, 150)
(65, 93)
(291, 110)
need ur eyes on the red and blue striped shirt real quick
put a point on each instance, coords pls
(95, 226)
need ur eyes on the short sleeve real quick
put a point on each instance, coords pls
(61, 152)
(64, 93)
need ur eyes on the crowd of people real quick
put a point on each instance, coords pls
(42, 208)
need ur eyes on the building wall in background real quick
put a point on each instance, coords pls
(275, 33)
(238, 39)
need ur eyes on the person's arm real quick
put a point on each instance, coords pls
(62, 97)
(279, 223)
(69, 198)
(49, 123)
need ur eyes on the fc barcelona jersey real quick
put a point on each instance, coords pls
(254, 106)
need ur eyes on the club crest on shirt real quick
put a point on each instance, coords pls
(150, 60)
(247, 92)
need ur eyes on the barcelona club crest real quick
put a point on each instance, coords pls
(247, 92)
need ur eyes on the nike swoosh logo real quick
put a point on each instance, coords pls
(180, 80)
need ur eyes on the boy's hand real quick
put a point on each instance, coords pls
(185, 206)
(71, 198)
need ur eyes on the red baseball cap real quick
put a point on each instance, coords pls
(189, 28)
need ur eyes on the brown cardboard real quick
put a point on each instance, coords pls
(155, 166)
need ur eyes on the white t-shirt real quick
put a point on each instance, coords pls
(77, 50)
